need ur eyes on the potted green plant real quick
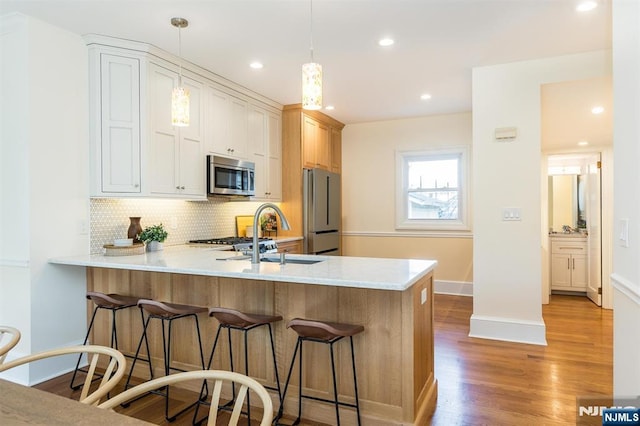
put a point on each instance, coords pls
(153, 236)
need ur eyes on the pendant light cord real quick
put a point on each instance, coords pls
(179, 56)
(311, 26)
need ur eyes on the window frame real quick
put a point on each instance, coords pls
(402, 191)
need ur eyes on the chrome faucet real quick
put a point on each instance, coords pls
(255, 255)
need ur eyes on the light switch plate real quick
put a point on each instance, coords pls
(624, 233)
(423, 296)
(511, 214)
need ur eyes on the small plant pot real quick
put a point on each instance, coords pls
(154, 246)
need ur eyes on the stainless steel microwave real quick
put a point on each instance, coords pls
(230, 177)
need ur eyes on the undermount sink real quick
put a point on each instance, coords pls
(291, 260)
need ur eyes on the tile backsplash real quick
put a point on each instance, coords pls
(183, 220)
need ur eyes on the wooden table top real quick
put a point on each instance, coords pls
(22, 405)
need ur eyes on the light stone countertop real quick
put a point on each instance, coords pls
(568, 235)
(340, 271)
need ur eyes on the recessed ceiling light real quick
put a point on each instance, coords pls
(330, 107)
(386, 42)
(583, 143)
(256, 65)
(586, 6)
(425, 96)
(597, 110)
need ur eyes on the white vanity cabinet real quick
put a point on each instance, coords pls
(265, 148)
(569, 264)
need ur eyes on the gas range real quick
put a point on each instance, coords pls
(266, 245)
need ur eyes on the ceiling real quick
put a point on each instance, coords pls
(437, 43)
(567, 118)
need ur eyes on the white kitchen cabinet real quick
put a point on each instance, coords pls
(177, 165)
(136, 152)
(116, 167)
(265, 147)
(227, 124)
(569, 264)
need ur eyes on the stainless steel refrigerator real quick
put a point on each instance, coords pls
(321, 216)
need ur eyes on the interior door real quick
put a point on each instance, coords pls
(592, 196)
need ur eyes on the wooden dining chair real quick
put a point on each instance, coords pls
(113, 373)
(219, 377)
(9, 337)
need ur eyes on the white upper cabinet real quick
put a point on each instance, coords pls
(265, 150)
(177, 159)
(227, 124)
(116, 128)
(137, 152)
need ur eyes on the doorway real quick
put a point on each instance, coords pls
(577, 138)
(575, 226)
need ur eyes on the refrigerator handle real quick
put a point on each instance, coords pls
(328, 201)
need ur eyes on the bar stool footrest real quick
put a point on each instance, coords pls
(330, 401)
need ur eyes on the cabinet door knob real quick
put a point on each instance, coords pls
(182, 187)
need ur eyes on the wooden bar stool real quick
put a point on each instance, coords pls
(112, 302)
(166, 312)
(327, 333)
(232, 319)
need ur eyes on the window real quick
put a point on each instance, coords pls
(432, 190)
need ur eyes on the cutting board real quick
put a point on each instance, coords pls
(241, 225)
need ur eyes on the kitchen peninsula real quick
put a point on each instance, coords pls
(391, 298)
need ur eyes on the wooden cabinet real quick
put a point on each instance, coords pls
(227, 124)
(177, 160)
(310, 139)
(115, 127)
(293, 247)
(316, 148)
(336, 150)
(265, 148)
(569, 264)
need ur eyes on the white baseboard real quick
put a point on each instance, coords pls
(457, 288)
(509, 330)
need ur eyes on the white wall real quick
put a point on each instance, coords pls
(45, 194)
(626, 146)
(369, 187)
(507, 255)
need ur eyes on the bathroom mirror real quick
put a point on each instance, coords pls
(567, 202)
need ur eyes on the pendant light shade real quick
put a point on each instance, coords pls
(312, 86)
(180, 94)
(311, 75)
(180, 106)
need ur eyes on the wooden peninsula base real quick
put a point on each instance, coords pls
(394, 355)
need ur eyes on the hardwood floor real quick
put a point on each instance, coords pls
(487, 382)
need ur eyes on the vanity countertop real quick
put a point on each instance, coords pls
(578, 235)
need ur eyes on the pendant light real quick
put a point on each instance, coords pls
(180, 94)
(311, 76)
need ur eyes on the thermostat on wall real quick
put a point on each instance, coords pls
(506, 134)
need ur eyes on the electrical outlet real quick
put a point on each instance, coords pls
(83, 227)
(174, 222)
(423, 296)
